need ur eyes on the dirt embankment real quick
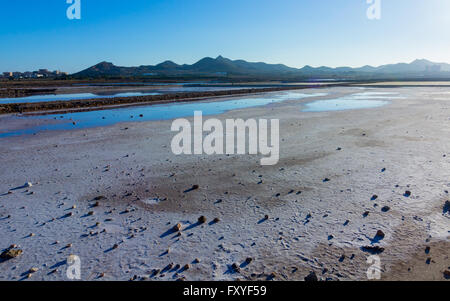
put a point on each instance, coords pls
(138, 100)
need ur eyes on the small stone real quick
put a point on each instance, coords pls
(380, 234)
(407, 194)
(446, 208)
(235, 268)
(186, 267)
(202, 219)
(373, 249)
(90, 213)
(33, 270)
(74, 207)
(196, 260)
(216, 220)
(385, 208)
(447, 274)
(248, 260)
(11, 253)
(115, 246)
(28, 185)
(374, 197)
(311, 277)
(177, 227)
(99, 198)
(32, 234)
(266, 217)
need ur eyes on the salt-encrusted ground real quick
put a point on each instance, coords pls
(313, 225)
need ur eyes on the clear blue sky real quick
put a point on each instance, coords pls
(37, 34)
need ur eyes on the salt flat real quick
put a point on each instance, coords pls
(371, 157)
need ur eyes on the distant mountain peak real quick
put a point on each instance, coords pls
(221, 66)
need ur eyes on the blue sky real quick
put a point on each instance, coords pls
(37, 34)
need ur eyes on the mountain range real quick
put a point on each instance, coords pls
(221, 67)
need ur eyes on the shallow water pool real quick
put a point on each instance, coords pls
(92, 119)
(365, 100)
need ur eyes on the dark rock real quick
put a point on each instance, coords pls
(311, 277)
(236, 268)
(446, 208)
(374, 197)
(407, 194)
(380, 235)
(373, 249)
(202, 219)
(385, 208)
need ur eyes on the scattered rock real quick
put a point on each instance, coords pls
(236, 268)
(177, 227)
(326, 180)
(202, 219)
(28, 185)
(216, 220)
(366, 214)
(248, 260)
(186, 267)
(374, 197)
(11, 253)
(100, 198)
(446, 208)
(447, 274)
(311, 277)
(407, 194)
(196, 260)
(385, 208)
(33, 270)
(90, 213)
(373, 249)
(380, 234)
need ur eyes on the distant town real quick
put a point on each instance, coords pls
(41, 73)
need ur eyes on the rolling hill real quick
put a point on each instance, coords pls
(223, 67)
